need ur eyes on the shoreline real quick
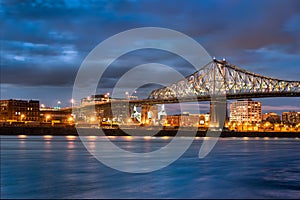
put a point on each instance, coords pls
(63, 131)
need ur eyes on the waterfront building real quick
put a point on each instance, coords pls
(53, 115)
(204, 120)
(291, 117)
(96, 109)
(19, 110)
(246, 111)
(271, 117)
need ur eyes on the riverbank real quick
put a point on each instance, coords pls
(134, 132)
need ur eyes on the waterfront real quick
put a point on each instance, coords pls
(60, 167)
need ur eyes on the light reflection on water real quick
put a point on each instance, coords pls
(61, 167)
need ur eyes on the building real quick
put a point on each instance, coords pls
(54, 115)
(271, 117)
(248, 111)
(19, 110)
(94, 99)
(204, 119)
(184, 120)
(291, 117)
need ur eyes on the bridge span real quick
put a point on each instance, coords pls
(216, 82)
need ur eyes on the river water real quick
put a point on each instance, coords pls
(61, 167)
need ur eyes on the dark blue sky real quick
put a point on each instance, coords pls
(43, 43)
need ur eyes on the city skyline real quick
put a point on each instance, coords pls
(41, 53)
(140, 99)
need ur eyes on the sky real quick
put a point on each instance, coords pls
(43, 43)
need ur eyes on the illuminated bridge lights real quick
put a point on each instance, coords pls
(223, 78)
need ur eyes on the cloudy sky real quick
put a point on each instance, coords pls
(43, 43)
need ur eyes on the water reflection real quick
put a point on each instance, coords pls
(92, 145)
(61, 167)
(165, 137)
(22, 136)
(71, 137)
(92, 138)
(147, 138)
(48, 137)
(128, 137)
(71, 145)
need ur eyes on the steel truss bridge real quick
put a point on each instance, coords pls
(220, 78)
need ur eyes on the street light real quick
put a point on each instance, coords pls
(72, 102)
(22, 116)
(58, 103)
(107, 96)
(47, 117)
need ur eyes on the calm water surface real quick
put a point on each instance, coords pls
(61, 167)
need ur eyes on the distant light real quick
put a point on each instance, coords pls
(70, 119)
(92, 119)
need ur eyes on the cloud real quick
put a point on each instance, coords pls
(44, 42)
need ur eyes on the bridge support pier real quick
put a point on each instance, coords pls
(218, 113)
